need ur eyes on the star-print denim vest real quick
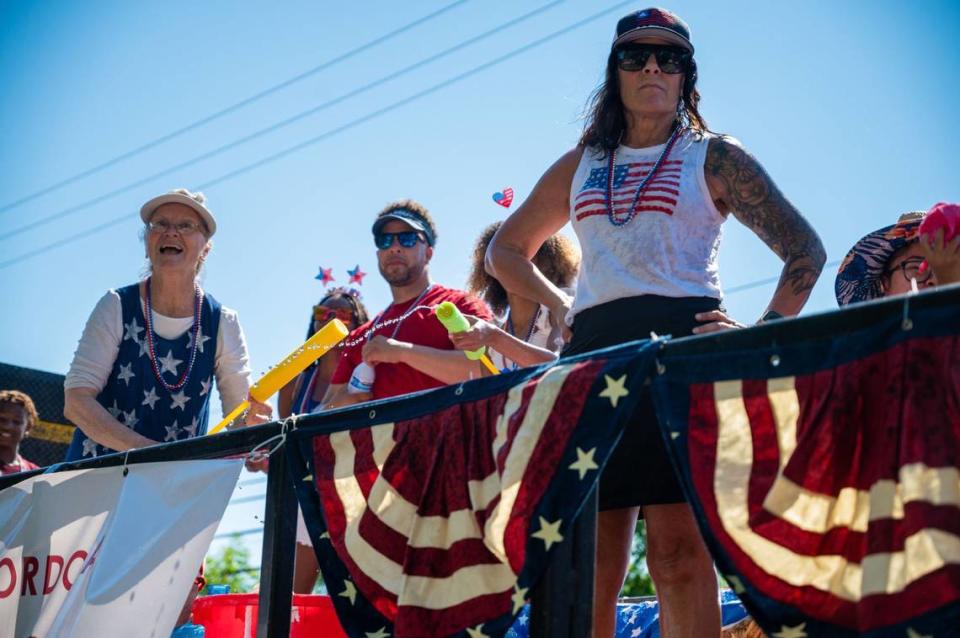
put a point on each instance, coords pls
(134, 396)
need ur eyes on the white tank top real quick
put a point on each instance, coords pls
(669, 248)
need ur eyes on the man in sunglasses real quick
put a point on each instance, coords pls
(406, 345)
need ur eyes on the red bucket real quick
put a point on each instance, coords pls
(235, 616)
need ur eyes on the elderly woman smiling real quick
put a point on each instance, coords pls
(144, 367)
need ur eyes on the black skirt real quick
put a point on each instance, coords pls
(638, 471)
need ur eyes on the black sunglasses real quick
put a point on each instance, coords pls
(407, 239)
(670, 59)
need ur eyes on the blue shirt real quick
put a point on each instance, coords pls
(135, 397)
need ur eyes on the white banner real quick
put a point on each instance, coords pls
(95, 553)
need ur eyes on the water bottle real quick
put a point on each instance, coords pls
(362, 379)
(188, 631)
(213, 590)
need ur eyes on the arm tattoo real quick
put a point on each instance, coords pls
(757, 202)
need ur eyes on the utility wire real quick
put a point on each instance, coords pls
(278, 125)
(768, 281)
(233, 107)
(334, 131)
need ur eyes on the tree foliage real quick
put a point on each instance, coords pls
(638, 581)
(230, 565)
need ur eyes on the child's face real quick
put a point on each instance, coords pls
(13, 424)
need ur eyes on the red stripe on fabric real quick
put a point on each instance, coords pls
(640, 209)
(546, 457)
(924, 595)
(701, 450)
(413, 452)
(365, 469)
(384, 601)
(631, 184)
(386, 540)
(702, 442)
(625, 199)
(928, 436)
(333, 513)
(485, 513)
(602, 204)
(323, 467)
(882, 536)
(443, 563)
(418, 622)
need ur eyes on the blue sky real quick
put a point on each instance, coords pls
(851, 106)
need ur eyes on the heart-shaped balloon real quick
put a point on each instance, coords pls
(504, 197)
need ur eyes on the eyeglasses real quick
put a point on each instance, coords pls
(183, 228)
(911, 269)
(671, 60)
(326, 313)
(407, 239)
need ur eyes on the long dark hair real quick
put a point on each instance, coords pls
(606, 122)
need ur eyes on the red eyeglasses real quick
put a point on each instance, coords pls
(325, 313)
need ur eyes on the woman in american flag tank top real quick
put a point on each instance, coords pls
(647, 189)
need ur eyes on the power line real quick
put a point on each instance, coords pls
(278, 125)
(332, 132)
(768, 281)
(243, 532)
(233, 107)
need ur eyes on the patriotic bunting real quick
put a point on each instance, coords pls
(824, 474)
(435, 514)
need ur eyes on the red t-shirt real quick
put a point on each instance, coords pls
(19, 464)
(421, 328)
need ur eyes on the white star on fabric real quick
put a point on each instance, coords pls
(132, 331)
(325, 535)
(349, 592)
(169, 364)
(200, 341)
(179, 400)
(912, 633)
(205, 386)
(614, 390)
(549, 533)
(636, 632)
(792, 632)
(380, 633)
(519, 598)
(523, 621)
(172, 431)
(115, 411)
(126, 373)
(584, 462)
(476, 632)
(191, 429)
(674, 435)
(89, 447)
(144, 349)
(130, 418)
(149, 398)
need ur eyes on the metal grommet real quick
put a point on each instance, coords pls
(373, 414)
(459, 390)
(661, 369)
(774, 360)
(907, 324)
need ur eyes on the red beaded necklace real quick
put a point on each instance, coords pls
(611, 169)
(197, 307)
